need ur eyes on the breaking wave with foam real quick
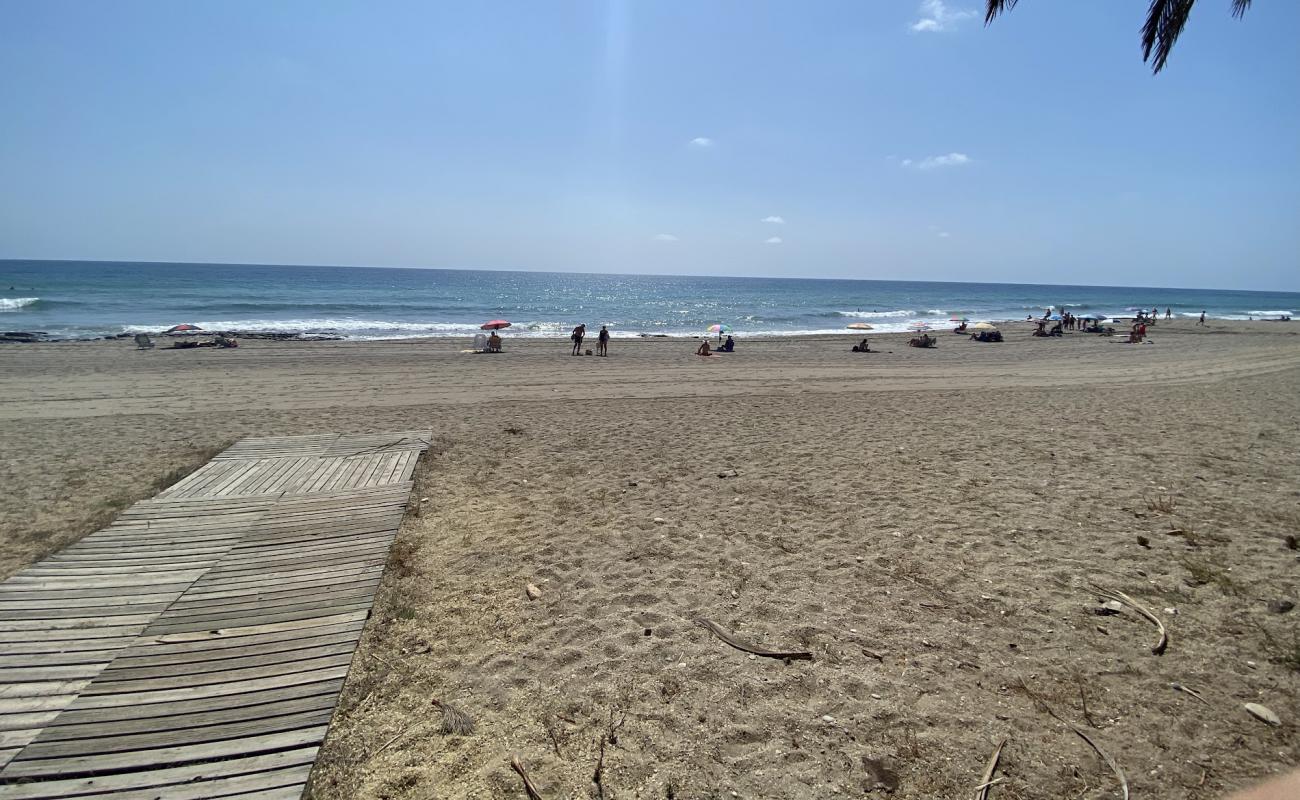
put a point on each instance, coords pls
(17, 303)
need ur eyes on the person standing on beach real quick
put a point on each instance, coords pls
(1169, 313)
(602, 342)
(576, 336)
(1201, 321)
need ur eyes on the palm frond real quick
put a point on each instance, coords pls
(1165, 21)
(996, 7)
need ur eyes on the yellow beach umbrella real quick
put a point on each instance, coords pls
(859, 326)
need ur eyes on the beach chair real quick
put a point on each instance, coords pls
(143, 342)
(480, 343)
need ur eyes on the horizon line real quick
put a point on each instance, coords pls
(636, 274)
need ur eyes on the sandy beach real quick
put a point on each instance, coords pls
(932, 526)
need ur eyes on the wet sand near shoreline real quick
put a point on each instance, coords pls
(929, 524)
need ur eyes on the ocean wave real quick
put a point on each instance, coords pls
(1271, 313)
(17, 303)
(905, 312)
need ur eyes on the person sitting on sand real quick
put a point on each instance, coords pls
(924, 340)
(727, 346)
(960, 328)
(703, 349)
(863, 347)
(494, 343)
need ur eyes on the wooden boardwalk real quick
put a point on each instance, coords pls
(196, 647)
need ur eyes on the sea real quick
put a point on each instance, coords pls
(89, 299)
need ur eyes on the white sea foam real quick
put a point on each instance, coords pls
(16, 303)
(1271, 313)
(906, 312)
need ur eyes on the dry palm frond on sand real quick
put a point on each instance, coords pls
(1120, 597)
(454, 721)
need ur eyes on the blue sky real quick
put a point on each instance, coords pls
(891, 139)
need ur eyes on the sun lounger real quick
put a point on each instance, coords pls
(143, 342)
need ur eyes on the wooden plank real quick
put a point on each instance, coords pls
(249, 702)
(182, 722)
(259, 603)
(109, 685)
(277, 594)
(120, 699)
(195, 659)
(264, 785)
(64, 645)
(137, 759)
(103, 745)
(163, 626)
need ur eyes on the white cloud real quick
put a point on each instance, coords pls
(773, 240)
(701, 141)
(934, 162)
(775, 220)
(944, 234)
(937, 17)
(665, 237)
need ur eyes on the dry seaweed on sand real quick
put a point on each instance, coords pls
(718, 631)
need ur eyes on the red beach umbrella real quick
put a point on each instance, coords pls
(495, 325)
(184, 327)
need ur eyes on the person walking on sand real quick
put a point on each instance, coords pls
(602, 342)
(576, 336)
(1201, 321)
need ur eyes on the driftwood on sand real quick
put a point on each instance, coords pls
(739, 644)
(518, 766)
(986, 782)
(1118, 596)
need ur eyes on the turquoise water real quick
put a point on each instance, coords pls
(84, 299)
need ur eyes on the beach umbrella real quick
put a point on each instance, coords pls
(183, 328)
(720, 328)
(859, 326)
(919, 326)
(984, 326)
(1094, 317)
(959, 319)
(495, 325)
(1055, 318)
